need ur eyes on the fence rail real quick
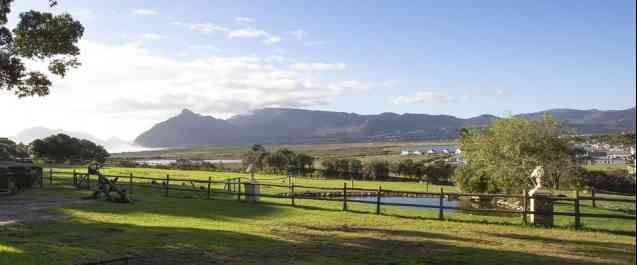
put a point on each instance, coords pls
(233, 187)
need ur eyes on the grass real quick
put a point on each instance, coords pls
(263, 178)
(605, 167)
(185, 229)
(613, 225)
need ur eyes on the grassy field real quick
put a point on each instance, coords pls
(345, 150)
(175, 230)
(605, 167)
(615, 225)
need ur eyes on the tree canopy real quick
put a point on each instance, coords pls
(61, 147)
(37, 36)
(501, 157)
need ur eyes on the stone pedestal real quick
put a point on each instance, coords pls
(542, 206)
(252, 189)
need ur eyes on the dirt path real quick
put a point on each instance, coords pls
(27, 208)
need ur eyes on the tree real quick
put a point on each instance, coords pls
(342, 167)
(355, 168)
(304, 162)
(61, 147)
(7, 149)
(501, 157)
(40, 36)
(376, 169)
(277, 161)
(256, 155)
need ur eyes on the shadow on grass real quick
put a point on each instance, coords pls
(83, 241)
(580, 247)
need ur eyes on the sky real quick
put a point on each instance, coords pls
(145, 61)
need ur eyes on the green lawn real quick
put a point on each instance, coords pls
(186, 229)
(605, 167)
(263, 178)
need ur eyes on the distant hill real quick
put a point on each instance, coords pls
(112, 144)
(592, 121)
(294, 126)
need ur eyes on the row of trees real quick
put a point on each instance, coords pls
(280, 161)
(61, 148)
(437, 171)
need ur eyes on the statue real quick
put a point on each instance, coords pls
(538, 175)
(251, 168)
(541, 204)
(252, 189)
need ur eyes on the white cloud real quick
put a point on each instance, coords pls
(145, 12)
(247, 33)
(424, 96)
(243, 20)
(207, 28)
(152, 36)
(298, 34)
(242, 33)
(124, 89)
(271, 40)
(318, 67)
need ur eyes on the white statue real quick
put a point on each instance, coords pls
(251, 168)
(537, 175)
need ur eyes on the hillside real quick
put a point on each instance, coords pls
(295, 126)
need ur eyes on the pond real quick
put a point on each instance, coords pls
(412, 200)
(462, 204)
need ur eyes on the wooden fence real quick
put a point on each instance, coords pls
(123, 260)
(342, 195)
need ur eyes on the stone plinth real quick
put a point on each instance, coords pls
(542, 206)
(252, 189)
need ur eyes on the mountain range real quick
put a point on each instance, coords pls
(296, 126)
(112, 144)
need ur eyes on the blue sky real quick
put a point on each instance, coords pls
(462, 58)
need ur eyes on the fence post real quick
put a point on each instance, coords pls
(42, 179)
(577, 210)
(74, 178)
(292, 194)
(238, 189)
(166, 187)
(525, 199)
(51, 176)
(593, 195)
(441, 215)
(380, 190)
(130, 183)
(88, 180)
(209, 188)
(344, 196)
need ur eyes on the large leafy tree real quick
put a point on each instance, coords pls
(61, 147)
(37, 36)
(501, 157)
(8, 149)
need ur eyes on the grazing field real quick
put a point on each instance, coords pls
(347, 150)
(173, 230)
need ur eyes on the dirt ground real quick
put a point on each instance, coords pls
(28, 207)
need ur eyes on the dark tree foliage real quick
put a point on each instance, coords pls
(38, 36)
(8, 149)
(62, 147)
